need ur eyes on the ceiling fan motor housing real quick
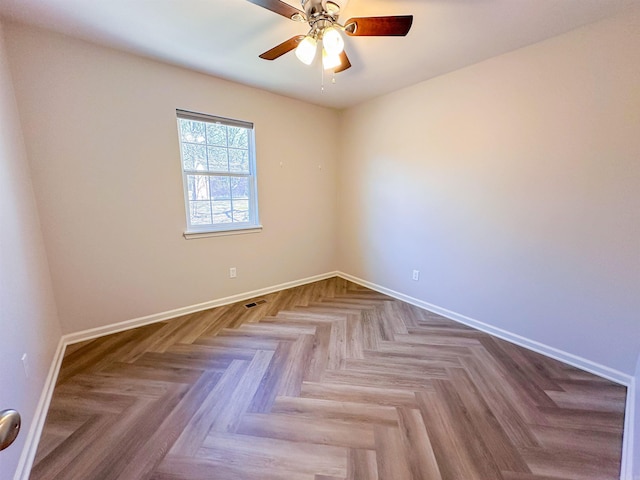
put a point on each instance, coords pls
(315, 9)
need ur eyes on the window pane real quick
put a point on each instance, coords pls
(191, 187)
(238, 161)
(200, 212)
(240, 195)
(219, 187)
(218, 159)
(241, 210)
(216, 134)
(238, 137)
(239, 187)
(222, 211)
(198, 187)
(194, 157)
(192, 131)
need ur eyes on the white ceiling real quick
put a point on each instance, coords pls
(224, 37)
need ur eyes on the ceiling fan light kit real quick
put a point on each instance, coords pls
(322, 16)
(306, 50)
(332, 41)
(329, 62)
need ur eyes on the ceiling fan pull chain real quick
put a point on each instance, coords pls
(321, 79)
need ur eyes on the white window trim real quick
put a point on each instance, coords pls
(222, 233)
(222, 229)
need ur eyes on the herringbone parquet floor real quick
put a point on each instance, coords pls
(326, 381)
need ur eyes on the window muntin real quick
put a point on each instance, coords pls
(218, 169)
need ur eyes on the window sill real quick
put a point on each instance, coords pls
(222, 233)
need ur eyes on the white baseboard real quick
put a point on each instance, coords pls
(629, 434)
(552, 352)
(571, 359)
(33, 437)
(178, 312)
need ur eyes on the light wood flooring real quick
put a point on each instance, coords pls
(328, 381)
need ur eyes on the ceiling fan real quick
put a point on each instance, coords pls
(322, 16)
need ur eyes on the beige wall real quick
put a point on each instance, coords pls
(513, 186)
(510, 184)
(100, 130)
(28, 318)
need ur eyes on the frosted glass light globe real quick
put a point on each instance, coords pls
(306, 50)
(332, 41)
(329, 61)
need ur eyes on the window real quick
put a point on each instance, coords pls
(219, 173)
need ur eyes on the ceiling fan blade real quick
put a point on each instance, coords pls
(344, 63)
(379, 26)
(281, 8)
(283, 48)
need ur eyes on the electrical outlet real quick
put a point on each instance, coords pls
(416, 275)
(25, 364)
(232, 272)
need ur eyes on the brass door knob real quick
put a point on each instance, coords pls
(9, 427)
